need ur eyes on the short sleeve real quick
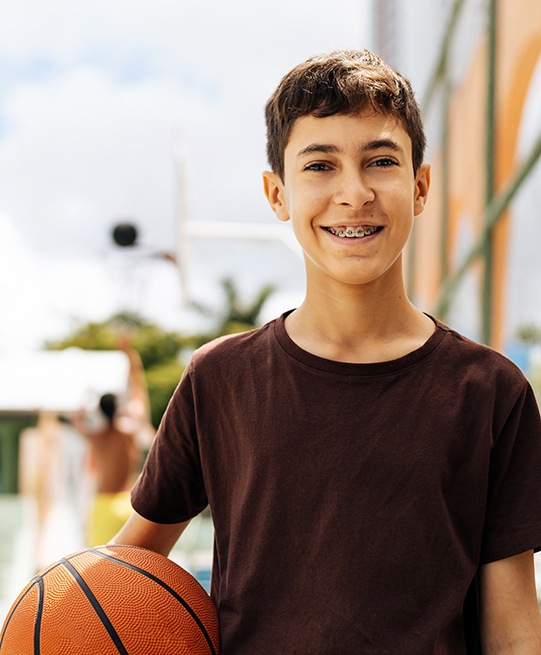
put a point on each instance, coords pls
(171, 488)
(513, 516)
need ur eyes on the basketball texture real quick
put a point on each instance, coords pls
(109, 600)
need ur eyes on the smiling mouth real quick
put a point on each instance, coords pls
(353, 232)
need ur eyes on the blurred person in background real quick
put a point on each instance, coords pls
(50, 481)
(118, 434)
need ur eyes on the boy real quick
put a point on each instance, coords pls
(372, 475)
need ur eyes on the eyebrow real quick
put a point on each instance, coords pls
(319, 148)
(371, 146)
(383, 144)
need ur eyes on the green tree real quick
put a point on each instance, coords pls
(158, 349)
(529, 333)
(236, 314)
(161, 350)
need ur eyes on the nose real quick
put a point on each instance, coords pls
(353, 189)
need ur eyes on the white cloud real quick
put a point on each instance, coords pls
(203, 36)
(97, 95)
(84, 152)
(39, 297)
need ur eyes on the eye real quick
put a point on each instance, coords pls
(384, 162)
(317, 166)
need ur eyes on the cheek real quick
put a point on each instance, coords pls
(399, 201)
(307, 200)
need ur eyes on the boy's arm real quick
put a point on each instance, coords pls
(159, 537)
(510, 617)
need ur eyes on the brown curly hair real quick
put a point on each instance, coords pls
(341, 82)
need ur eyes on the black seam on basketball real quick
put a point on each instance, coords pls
(13, 609)
(96, 606)
(39, 616)
(165, 586)
(8, 619)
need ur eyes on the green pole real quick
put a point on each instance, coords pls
(438, 77)
(499, 203)
(441, 64)
(490, 136)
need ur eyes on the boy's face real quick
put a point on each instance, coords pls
(351, 194)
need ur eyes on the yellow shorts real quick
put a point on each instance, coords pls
(107, 515)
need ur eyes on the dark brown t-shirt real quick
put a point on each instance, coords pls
(352, 503)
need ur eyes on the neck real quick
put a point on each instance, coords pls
(365, 323)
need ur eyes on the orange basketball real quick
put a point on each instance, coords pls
(110, 600)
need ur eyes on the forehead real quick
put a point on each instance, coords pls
(346, 132)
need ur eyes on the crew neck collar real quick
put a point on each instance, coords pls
(346, 368)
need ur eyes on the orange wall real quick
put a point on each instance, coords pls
(518, 49)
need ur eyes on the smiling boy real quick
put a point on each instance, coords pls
(347, 175)
(373, 476)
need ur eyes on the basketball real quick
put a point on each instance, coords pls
(110, 600)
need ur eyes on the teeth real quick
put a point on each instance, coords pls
(353, 232)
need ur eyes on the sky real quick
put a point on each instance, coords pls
(102, 105)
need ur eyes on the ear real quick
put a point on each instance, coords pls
(275, 193)
(422, 185)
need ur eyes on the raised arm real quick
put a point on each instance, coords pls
(79, 424)
(510, 617)
(138, 402)
(159, 537)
